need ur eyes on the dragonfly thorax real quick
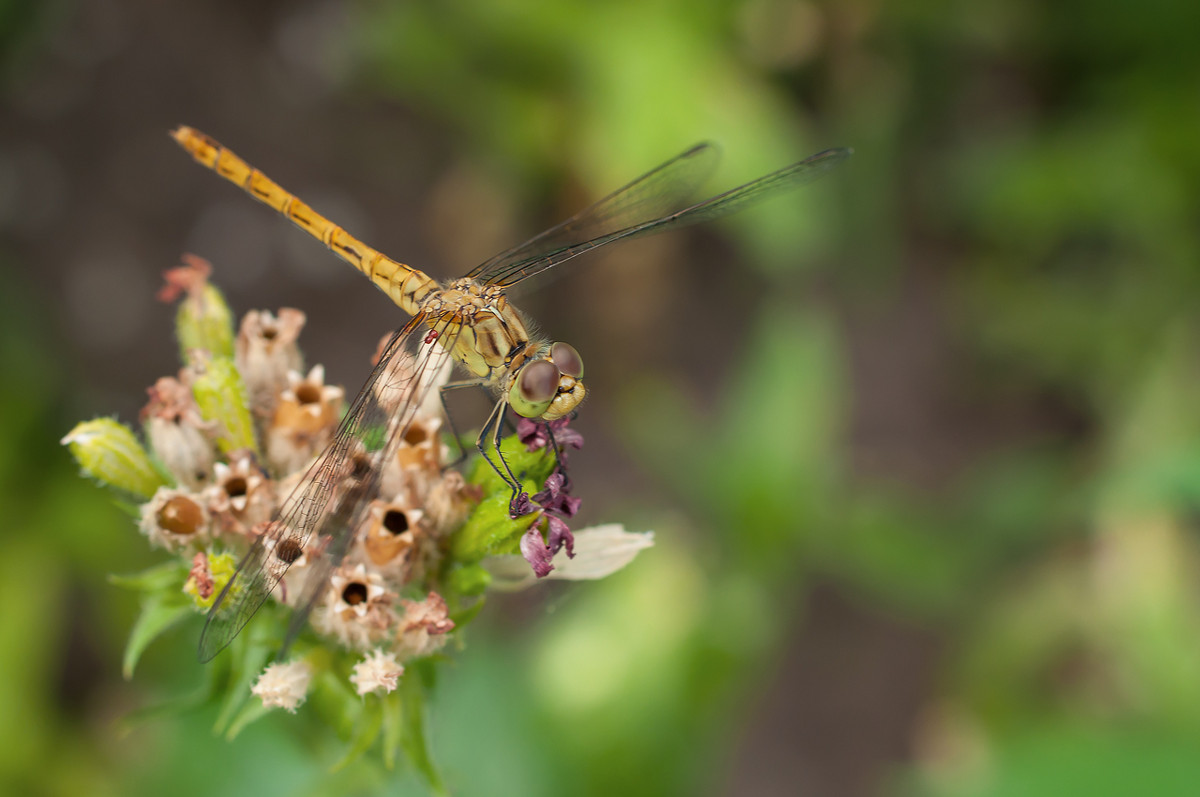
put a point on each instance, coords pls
(488, 337)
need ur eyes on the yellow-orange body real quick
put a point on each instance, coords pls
(489, 337)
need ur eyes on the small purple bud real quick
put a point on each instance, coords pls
(520, 506)
(532, 434)
(564, 435)
(551, 489)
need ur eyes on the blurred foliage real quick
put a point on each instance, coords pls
(1036, 163)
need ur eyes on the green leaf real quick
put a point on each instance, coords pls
(414, 737)
(461, 615)
(130, 508)
(472, 579)
(158, 614)
(164, 709)
(247, 654)
(393, 727)
(251, 712)
(159, 578)
(369, 725)
(331, 695)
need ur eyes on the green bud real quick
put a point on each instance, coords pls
(221, 396)
(204, 323)
(110, 452)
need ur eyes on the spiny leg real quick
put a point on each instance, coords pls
(442, 391)
(559, 464)
(490, 433)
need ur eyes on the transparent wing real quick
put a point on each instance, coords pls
(335, 493)
(662, 190)
(522, 263)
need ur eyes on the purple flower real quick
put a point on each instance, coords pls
(555, 504)
(554, 500)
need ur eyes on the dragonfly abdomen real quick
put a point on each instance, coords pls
(404, 285)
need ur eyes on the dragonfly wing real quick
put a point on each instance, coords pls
(662, 190)
(412, 376)
(330, 495)
(513, 270)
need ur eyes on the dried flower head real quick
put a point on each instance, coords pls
(177, 432)
(357, 610)
(241, 495)
(305, 417)
(283, 685)
(423, 628)
(377, 672)
(266, 352)
(175, 520)
(391, 536)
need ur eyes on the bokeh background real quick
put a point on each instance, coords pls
(921, 443)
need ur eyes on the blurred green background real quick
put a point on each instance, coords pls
(921, 444)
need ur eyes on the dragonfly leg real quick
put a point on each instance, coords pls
(443, 390)
(489, 437)
(559, 465)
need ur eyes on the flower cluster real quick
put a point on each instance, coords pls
(231, 436)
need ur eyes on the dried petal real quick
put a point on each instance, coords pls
(203, 322)
(558, 536)
(536, 552)
(208, 577)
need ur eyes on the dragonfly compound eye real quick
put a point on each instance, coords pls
(534, 388)
(567, 359)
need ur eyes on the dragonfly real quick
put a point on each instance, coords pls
(468, 321)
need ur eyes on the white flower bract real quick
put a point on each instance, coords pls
(599, 551)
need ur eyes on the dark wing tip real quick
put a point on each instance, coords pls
(833, 154)
(702, 146)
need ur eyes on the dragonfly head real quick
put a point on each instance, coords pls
(549, 386)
